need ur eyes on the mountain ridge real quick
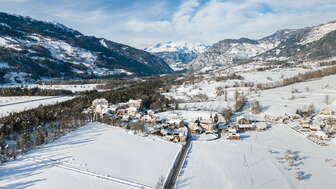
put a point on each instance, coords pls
(291, 45)
(36, 50)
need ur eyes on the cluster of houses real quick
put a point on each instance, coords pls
(173, 129)
(133, 112)
(244, 124)
(321, 126)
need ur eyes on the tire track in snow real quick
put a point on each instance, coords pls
(70, 167)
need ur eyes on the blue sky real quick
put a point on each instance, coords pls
(143, 22)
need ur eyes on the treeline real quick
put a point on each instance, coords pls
(38, 126)
(299, 78)
(22, 91)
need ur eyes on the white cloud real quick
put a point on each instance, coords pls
(193, 20)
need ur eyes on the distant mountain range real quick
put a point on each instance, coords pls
(32, 50)
(289, 46)
(177, 54)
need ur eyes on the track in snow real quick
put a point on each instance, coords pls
(70, 167)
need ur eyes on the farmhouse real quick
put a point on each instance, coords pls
(209, 127)
(305, 124)
(327, 111)
(242, 120)
(196, 128)
(261, 126)
(246, 127)
(132, 111)
(134, 103)
(99, 102)
(233, 136)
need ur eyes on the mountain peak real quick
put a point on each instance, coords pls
(177, 53)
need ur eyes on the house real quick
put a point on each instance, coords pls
(261, 126)
(134, 103)
(196, 128)
(321, 135)
(246, 127)
(150, 112)
(242, 120)
(232, 130)
(209, 127)
(327, 111)
(99, 101)
(121, 112)
(132, 111)
(222, 125)
(139, 115)
(125, 117)
(233, 136)
(315, 128)
(175, 123)
(304, 124)
(146, 118)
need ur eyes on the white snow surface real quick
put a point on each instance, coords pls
(18, 104)
(249, 164)
(318, 32)
(93, 156)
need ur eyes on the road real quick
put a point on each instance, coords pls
(175, 171)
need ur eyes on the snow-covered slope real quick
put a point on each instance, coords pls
(177, 54)
(295, 45)
(93, 156)
(34, 50)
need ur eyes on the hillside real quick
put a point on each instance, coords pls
(289, 46)
(34, 50)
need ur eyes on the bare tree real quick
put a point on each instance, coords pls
(227, 113)
(327, 100)
(256, 108)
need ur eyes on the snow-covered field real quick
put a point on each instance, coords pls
(94, 156)
(255, 162)
(280, 100)
(271, 75)
(18, 104)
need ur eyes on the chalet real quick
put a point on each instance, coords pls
(134, 103)
(315, 128)
(175, 123)
(222, 125)
(196, 128)
(321, 135)
(150, 112)
(327, 111)
(232, 130)
(305, 124)
(233, 136)
(121, 112)
(209, 127)
(125, 117)
(113, 108)
(146, 118)
(246, 127)
(243, 121)
(261, 126)
(139, 115)
(99, 101)
(132, 111)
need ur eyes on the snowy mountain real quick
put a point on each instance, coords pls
(296, 45)
(177, 54)
(33, 50)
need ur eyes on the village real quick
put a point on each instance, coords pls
(131, 115)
